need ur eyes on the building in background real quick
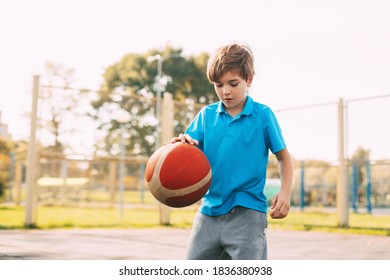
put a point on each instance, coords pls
(4, 134)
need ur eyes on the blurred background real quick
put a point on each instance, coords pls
(83, 87)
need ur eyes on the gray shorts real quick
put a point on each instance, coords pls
(237, 235)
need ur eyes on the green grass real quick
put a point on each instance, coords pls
(12, 217)
(59, 217)
(129, 197)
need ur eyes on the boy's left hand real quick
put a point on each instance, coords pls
(280, 206)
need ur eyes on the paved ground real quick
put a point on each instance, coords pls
(170, 244)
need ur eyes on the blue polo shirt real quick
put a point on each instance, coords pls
(237, 149)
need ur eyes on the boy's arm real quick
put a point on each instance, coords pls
(280, 205)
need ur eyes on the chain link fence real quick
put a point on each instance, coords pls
(90, 183)
(95, 183)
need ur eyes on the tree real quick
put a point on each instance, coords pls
(4, 164)
(130, 84)
(4, 148)
(56, 102)
(63, 111)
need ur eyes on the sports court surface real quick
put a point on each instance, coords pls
(170, 244)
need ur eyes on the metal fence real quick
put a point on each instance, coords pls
(89, 183)
(70, 182)
(319, 185)
(96, 182)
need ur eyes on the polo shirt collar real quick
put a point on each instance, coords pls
(248, 107)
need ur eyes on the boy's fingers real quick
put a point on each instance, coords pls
(175, 139)
(279, 211)
(185, 138)
(189, 140)
(194, 142)
(273, 202)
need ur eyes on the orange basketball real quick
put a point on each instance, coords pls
(178, 174)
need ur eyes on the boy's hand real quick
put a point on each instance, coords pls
(185, 138)
(280, 206)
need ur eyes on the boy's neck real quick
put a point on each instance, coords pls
(235, 111)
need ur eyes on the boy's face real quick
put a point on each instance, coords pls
(231, 90)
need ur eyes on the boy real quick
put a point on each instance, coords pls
(236, 135)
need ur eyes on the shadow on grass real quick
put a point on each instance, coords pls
(360, 230)
(5, 208)
(20, 227)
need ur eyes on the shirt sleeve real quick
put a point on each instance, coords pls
(196, 128)
(272, 132)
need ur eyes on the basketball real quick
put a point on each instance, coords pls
(178, 174)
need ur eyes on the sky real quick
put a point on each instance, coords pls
(306, 52)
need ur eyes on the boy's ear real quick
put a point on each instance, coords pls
(249, 81)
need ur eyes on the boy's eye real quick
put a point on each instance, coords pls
(233, 84)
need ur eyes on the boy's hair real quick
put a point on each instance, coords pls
(237, 58)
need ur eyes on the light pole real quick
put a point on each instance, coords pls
(164, 210)
(122, 117)
(158, 100)
(159, 89)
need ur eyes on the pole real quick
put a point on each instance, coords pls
(11, 176)
(121, 173)
(167, 125)
(122, 117)
(113, 179)
(158, 101)
(342, 190)
(368, 187)
(142, 191)
(302, 192)
(31, 158)
(355, 198)
(159, 90)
